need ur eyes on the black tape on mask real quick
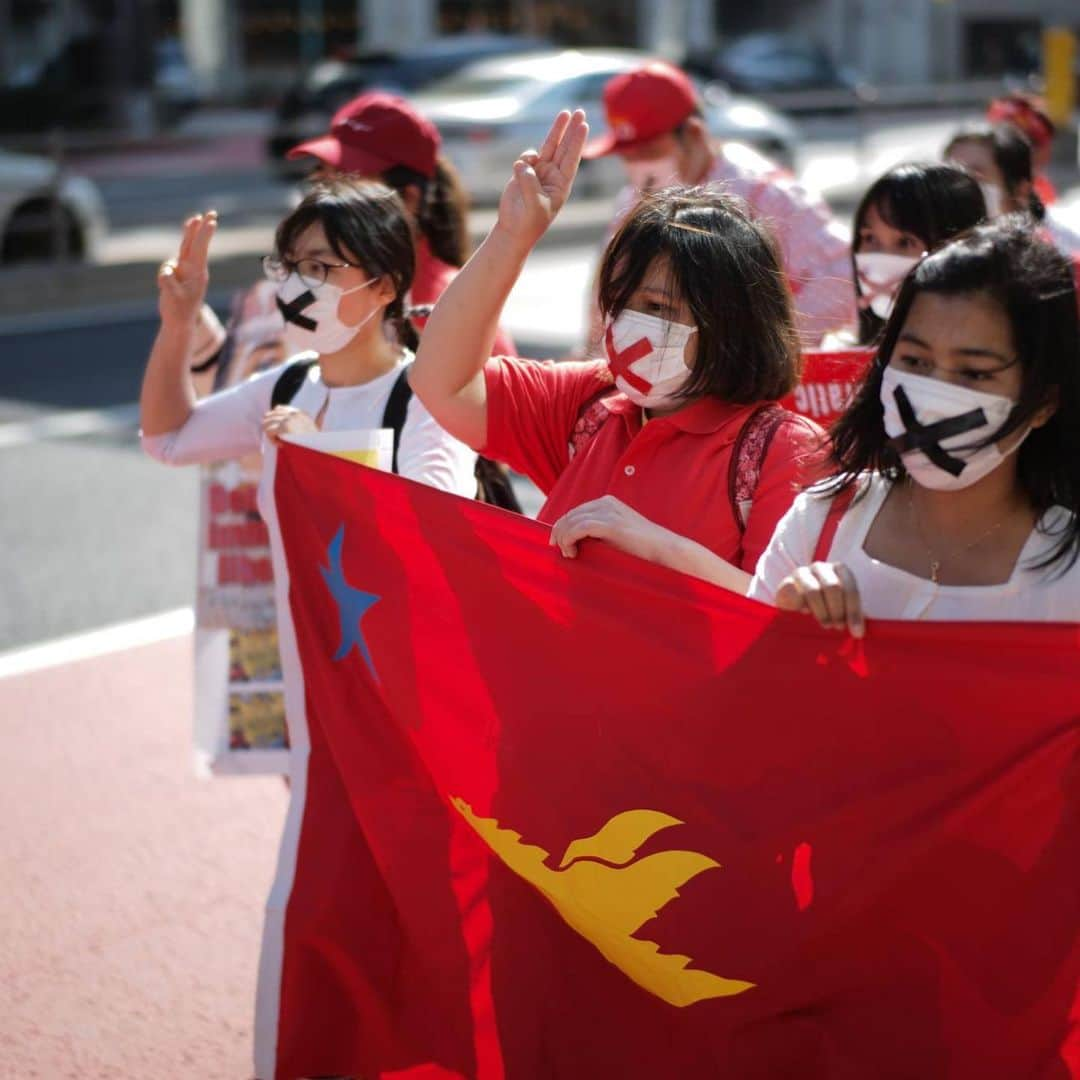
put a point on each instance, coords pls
(928, 437)
(290, 312)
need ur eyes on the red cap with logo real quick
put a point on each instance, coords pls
(373, 133)
(642, 104)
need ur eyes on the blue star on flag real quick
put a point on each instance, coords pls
(353, 604)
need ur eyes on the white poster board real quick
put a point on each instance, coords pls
(240, 723)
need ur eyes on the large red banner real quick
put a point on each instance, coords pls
(592, 818)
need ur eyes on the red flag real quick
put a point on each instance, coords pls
(828, 383)
(592, 818)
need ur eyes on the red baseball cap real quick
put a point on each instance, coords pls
(373, 133)
(1026, 114)
(642, 104)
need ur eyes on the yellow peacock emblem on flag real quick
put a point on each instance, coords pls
(606, 895)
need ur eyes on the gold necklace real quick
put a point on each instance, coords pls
(935, 562)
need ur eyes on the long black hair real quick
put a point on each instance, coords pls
(1011, 150)
(442, 214)
(932, 201)
(365, 223)
(728, 269)
(1033, 283)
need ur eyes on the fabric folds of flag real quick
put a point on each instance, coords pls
(590, 818)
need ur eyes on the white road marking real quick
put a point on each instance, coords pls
(95, 643)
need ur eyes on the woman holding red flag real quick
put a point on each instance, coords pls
(958, 489)
(681, 419)
(958, 485)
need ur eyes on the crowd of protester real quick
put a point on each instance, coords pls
(949, 489)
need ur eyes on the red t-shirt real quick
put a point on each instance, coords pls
(429, 283)
(674, 469)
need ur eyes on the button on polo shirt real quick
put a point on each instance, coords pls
(674, 470)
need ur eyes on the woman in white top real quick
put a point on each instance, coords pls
(959, 460)
(344, 263)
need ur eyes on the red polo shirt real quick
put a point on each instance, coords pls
(674, 469)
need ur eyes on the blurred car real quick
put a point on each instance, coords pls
(309, 103)
(772, 63)
(74, 87)
(67, 89)
(43, 215)
(490, 111)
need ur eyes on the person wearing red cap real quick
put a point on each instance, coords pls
(382, 137)
(376, 136)
(656, 125)
(1028, 113)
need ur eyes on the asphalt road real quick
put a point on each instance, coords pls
(73, 367)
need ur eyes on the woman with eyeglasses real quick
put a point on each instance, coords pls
(343, 263)
(343, 266)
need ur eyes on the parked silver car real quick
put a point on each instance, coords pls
(43, 214)
(493, 109)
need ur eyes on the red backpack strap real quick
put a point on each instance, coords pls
(590, 419)
(748, 455)
(837, 509)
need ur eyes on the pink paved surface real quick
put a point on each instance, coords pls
(131, 893)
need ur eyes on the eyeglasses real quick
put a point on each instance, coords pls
(312, 272)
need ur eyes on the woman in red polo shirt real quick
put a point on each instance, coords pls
(680, 421)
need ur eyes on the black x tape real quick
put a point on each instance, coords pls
(290, 312)
(928, 437)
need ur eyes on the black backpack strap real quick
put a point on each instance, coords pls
(289, 382)
(397, 405)
(493, 485)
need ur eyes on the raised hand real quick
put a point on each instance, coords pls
(182, 281)
(542, 180)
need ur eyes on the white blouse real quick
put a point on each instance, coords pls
(887, 592)
(228, 425)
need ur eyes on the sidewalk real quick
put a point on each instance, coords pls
(133, 892)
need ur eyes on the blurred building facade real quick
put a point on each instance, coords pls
(241, 48)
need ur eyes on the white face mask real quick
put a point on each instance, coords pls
(645, 355)
(311, 314)
(994, 197)
(880, 275)
(653, 175)
(944, 459)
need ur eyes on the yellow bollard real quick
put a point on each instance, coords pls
(1059, 58)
